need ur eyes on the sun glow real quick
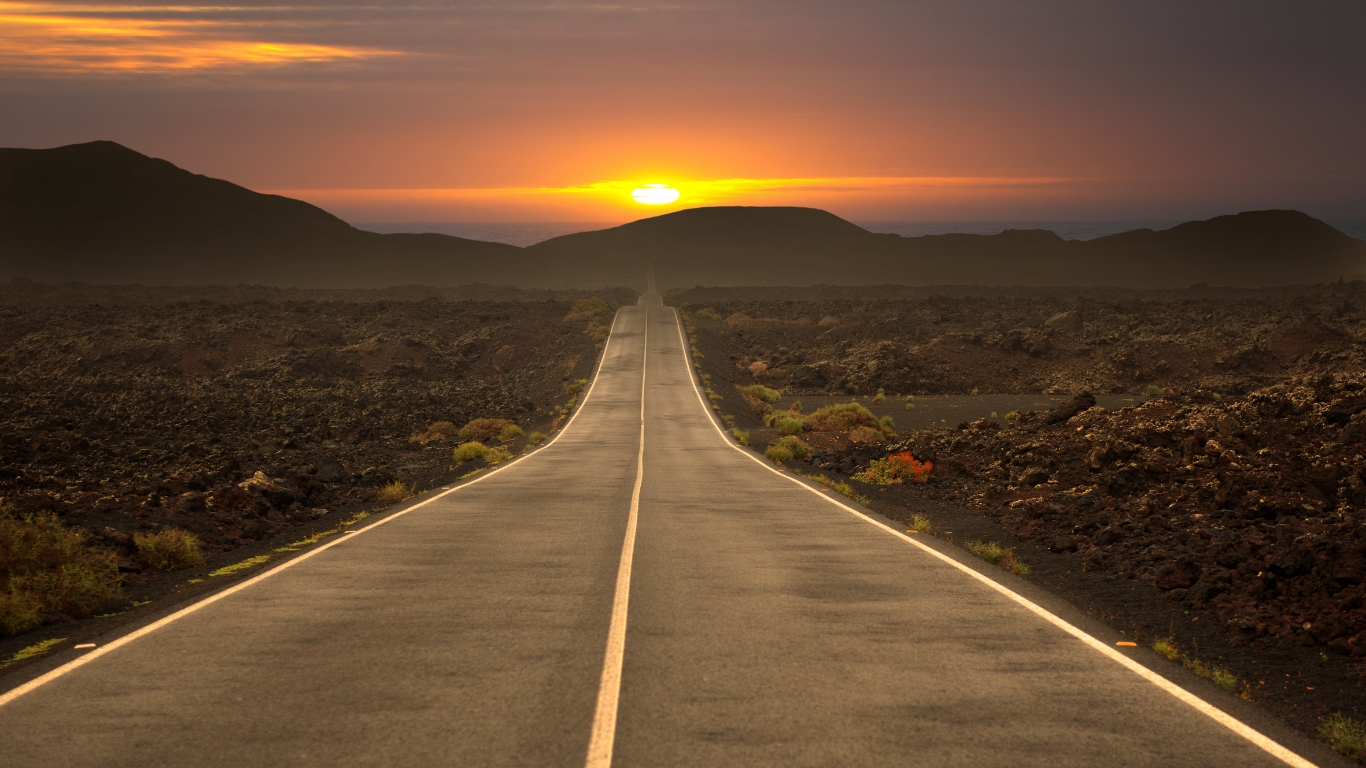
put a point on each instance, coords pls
(654, 194)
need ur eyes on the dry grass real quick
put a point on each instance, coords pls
(920, 524)
(1346, 735)
(707, 313)
(241, 565)
(394, 492)
(484, 429)
(169, 549)
(46, 566)
(759, 392)
(995, 554)
(844, 489)
(32, 651)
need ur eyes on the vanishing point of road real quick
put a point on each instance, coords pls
(639, 592)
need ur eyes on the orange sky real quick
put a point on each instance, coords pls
(979, 109)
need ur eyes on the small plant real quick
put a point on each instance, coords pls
(169, 549)
(778, 454)
(441, 429)
(394, 492)
(575, 387)
(584, 309)
(307, 541)
(470, 451)
(920, 524)
(880, 397)
(974, 392)
(865, 435)
(787, 449)
(1218, 675)
(37, 649)
(707, 313)
(1012, 415)
(844, 489)
(997, 555)
(250, 562)
(1346, 735)
(994, 416)
(896, 469)
(1167, 649)
(889, 423)
(535, 438)
(1153, 390)
(510, 432)
(759, 392)
(484, 429)
(498, 456)
(910, 406)
(741, 436)
(846, 417)
(46, 566)
(787, 425)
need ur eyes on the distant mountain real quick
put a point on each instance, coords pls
(102, 213)
(805, 246)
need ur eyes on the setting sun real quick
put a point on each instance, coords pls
(654, 194)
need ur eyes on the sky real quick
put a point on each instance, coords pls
(556, 111)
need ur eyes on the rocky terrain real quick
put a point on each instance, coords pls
(937, 341)
(237, 413)
(1235, 496)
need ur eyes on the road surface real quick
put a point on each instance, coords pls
(637, 593)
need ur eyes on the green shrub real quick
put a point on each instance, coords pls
(169, 549)
(394, 492)
(778, 454)
(707, 313)
(760, 393)
(535, 438)
(586, 308)
(865, 435)
(846, 417)
(1347, 736)
(1154, 390)
(470, 451)
(741, 436)
(509, 433)
(788, 425)
(45, 566)
(484, 429)
(995, 554)
(575, 387)
(498, 455)
(796, 447)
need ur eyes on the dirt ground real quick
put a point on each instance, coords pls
(1189, 466)
(244, 415)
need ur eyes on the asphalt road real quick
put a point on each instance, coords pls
(764, 626)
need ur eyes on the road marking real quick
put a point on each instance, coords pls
(604, 732)
(1214, 713)
(119, 642)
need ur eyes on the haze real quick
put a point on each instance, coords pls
(872, 110)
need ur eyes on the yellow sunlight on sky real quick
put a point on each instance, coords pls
(614, 200)
(104, 39)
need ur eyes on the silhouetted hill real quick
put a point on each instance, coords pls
(805, 246)
(102, 213)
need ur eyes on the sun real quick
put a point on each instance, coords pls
(654, 194)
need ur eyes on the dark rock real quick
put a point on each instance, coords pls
(1177, 575)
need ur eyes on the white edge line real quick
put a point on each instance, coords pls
(1214, 713)
(603, 733)
(113, 645)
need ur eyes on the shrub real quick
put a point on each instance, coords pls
(864, 435)
(575, 387)
(887, 422)
(535, 438)
(759, 392)
(484, 429)
(880, 397)
(45, 566)
(470, 451)
(778, 454)
(896, 469)
(1154, 390)
(788, 425)
(796, 447)
(441, 429)
(1012, 415)
(920, 524)
(739, 320)
(997, 555)
(846, 417)
(1167, 649)
(498, 455)
(1347, 736)
(586, 308)
(741, 436)
(169, 549)
(757, 368)
(842, 488)
(707, 313)
(509, 433)
(394, 492)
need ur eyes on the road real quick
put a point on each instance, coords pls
(637, 593)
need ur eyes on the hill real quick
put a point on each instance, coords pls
(103, 213)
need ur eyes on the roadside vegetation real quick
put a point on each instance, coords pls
(842, 488)
(169, 549)
(787, 449)
(1344, 734)
(896, 469)
(995, 554)
(46, 569)
(394, 492)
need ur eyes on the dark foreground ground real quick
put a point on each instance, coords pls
(250, 415)
(1207, 488)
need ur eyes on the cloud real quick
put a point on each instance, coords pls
(113, 40)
